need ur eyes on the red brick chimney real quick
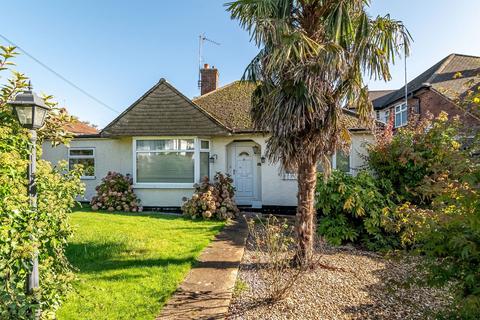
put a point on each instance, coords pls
(208, 78)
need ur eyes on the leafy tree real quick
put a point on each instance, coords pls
(313, 56)
(23, 231)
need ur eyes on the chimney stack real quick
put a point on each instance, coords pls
(208, 78)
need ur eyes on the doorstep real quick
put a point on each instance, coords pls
(207, 290)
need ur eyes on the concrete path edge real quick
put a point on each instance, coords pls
(207, 290)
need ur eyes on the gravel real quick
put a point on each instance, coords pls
(361, 285)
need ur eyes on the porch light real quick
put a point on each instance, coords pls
(256, 149)
(263, 159)
(212, 158)
(30, 109)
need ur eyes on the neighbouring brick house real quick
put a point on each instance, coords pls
(435, 90)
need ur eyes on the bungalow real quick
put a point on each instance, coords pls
(437, 89)
(167, 142)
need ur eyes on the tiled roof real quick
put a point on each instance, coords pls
(231, 104)
(375, 94)
(163, 111)
(80, 128)
(448, 76)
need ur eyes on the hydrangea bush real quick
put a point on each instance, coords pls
(115, 193)
(212, 200)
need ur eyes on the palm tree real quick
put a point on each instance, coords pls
(313, 56)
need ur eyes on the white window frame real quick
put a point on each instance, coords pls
(204, 150)
(387, 115)
(400, 109)
(171, 185)
(84, 157)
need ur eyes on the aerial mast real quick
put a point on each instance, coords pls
(201, 40)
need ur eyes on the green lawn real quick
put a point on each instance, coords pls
(128, 264)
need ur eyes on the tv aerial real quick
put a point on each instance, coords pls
(201, 42)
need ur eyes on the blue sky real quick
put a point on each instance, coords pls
(116, 50)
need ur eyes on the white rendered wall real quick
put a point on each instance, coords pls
(116, 155)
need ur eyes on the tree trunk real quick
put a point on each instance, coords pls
(307, 179)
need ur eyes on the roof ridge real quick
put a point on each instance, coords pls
(216, 90)
(444, 63)
(465, 55)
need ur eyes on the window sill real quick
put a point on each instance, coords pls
(163, 185)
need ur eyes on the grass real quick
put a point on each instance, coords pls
(240, 286)
(129, 264)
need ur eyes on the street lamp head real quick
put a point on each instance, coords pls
(30, 109)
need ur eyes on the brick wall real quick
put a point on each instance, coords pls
(427, 100)
(208, 78)
(434, 102)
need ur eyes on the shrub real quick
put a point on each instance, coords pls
(212, 200)
(24, 231)
(115, 193)
(452, 246)
(422, 159)
(356, 209)
(435, 175)
(273, 241)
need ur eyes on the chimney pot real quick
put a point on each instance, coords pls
(205, 66)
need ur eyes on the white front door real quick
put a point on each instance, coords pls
(243, 172)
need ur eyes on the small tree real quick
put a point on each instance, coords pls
(313, 56)
(22, 231)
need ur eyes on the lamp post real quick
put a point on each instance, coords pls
(31, 112)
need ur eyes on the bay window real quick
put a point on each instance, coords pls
(401, 115)
(168, 162)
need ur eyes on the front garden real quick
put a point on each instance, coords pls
(128, 264)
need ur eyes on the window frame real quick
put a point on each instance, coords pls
(93, 156)
(171, 185)
(349, 156)
(402, 107)
(387, 116)
(203, 150)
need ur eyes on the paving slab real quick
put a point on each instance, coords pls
(207, 290)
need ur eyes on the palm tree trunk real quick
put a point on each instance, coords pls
(307, 179)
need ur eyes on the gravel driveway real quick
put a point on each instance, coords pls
(363, 285)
